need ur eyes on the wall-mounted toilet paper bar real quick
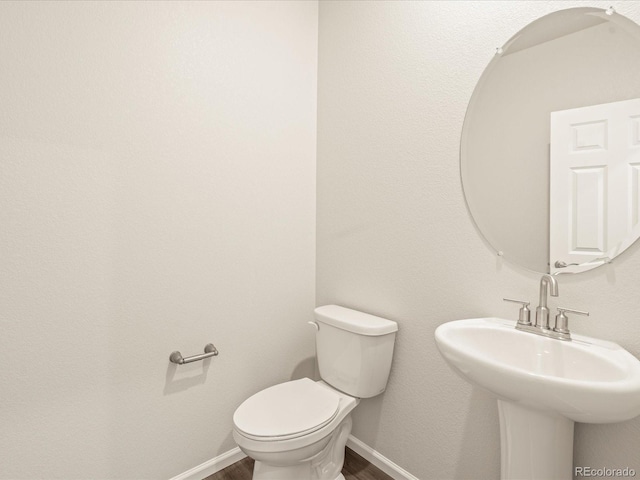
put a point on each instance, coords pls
(209, 351)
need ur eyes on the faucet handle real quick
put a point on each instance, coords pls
(562, 321)
(525, 314)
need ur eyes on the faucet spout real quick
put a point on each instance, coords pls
(548, 284)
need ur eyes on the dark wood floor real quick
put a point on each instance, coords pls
(355, 468)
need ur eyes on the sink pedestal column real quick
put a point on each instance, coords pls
(534, 445)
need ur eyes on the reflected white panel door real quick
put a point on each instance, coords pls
(594, 173)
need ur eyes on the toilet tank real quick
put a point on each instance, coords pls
(354, 350)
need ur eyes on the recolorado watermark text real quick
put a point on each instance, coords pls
(604, 472)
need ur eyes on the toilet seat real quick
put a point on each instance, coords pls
(286, 411)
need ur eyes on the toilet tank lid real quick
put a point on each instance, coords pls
(355, 321)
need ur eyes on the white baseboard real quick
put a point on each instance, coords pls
(212, 466)
(235, 454)
(376, 458)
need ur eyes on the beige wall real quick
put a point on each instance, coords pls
(157, 192)
(395, 238)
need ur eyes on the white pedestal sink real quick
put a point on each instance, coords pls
(543, 386)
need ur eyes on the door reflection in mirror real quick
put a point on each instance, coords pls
(595, 162)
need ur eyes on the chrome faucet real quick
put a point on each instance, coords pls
(542, 311)
(548, 285)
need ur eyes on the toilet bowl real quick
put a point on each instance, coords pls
(298, 430)
(295, 430)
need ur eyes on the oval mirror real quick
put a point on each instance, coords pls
(550, 149)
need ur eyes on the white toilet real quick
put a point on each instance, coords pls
(298, 430)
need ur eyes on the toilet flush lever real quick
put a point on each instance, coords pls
(315, 324)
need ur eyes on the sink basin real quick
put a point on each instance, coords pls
(543, 386)
(586, 380)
